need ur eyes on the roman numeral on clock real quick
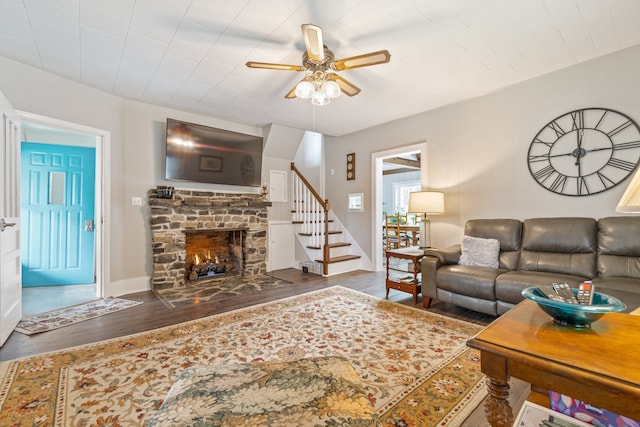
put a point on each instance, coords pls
(556, 128)
(626, 145)
(578, 119)
(621, 164)
(620, 128)
(544, 173)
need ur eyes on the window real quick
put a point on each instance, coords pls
(401, 192)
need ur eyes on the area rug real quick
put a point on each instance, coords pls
(218, 289)
(55, 319)
(414, 365)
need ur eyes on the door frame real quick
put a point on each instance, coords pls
(376, 189)
(102, 190)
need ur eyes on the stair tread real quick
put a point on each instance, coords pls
(341, 258)
(331, 245)
(339, 244)
(309, 234)
(302, 222)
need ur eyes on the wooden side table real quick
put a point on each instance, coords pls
(598, 365)
(410, 280)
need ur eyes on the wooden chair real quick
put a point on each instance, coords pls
(394, 237)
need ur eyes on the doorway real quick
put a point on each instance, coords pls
(378, 160)
(61, 203)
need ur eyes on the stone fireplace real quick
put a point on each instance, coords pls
(228, 230)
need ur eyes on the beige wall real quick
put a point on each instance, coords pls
(477, 149)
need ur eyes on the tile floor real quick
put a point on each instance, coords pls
(46, 298)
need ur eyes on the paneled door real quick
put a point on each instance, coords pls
(58, 195)
(10, 272)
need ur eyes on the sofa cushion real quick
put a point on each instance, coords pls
(625, 289)
(480, 252)
(619, 247)
(509, 285)
(468, 280)
(507, 231)
(472, 303)
(559, 245)
(313, 391)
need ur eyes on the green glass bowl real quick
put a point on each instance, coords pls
(576, 315)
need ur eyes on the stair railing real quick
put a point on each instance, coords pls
(313, 213)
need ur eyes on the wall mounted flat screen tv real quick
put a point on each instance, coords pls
(205, 154)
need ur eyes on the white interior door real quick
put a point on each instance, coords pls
(10, 268)
(281, 253)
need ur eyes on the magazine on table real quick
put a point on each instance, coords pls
(534, 415)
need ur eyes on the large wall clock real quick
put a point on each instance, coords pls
(585, 152)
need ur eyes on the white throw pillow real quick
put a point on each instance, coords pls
(480, 252)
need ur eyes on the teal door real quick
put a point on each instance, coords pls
(57, 211)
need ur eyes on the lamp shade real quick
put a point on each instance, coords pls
(429, 202)
(630, 201)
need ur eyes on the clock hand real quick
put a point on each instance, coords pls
(580, 151)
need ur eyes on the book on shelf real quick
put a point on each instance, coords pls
(586, 412)
(534, 415)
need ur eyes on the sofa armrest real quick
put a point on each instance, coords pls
(432, 260)
(450, 255)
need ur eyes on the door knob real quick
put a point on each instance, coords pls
(4, 224)
(88, 225)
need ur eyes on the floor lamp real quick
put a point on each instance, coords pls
(426, 203)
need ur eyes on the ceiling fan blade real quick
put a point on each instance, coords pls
(292, 93)
(345, 86)
(271, 66)
(372, 58)
(313, 41)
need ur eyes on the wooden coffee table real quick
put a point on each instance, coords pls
(600, 365)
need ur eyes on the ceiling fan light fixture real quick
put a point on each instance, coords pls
(320, 100)
(330, 89)
(305, 89)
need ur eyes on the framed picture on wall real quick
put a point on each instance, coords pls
(356, 202)
(211, 163)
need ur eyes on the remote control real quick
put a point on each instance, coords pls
(585, 293)
(565, 292)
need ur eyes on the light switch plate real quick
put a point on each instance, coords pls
(136, 201)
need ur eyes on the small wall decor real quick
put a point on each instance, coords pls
(351, 166)
(356, 203)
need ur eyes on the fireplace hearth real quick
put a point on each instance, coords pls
(231, 230)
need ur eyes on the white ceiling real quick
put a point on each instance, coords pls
(190, 54)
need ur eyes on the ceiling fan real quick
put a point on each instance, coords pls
(322, 83)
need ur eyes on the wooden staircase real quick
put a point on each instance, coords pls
(311, 218)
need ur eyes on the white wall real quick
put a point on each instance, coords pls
(477, 150)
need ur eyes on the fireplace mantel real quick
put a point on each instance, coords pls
(190, 210)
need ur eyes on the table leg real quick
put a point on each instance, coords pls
(496, 406)
(426, 301)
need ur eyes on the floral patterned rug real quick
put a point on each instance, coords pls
(414, 365)
(55, 319)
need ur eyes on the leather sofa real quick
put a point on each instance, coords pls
(534, 252)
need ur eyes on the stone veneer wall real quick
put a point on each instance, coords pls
(203, 210)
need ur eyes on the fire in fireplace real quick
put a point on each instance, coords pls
(213, 253)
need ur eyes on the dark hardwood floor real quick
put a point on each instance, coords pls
(153, 314)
